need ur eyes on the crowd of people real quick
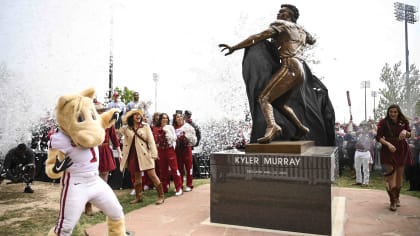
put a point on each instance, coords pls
(155, 151)
(220, 135)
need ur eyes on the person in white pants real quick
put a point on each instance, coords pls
(362, 158)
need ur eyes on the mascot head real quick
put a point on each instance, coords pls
(77, 117)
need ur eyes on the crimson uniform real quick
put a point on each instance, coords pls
(106, 156)
(167, 157)
(144, 177)
(186, 139)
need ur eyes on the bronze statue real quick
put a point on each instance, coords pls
(288, 38)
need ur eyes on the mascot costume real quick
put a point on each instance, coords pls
(73, 157)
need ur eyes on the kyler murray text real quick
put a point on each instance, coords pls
(281, 161)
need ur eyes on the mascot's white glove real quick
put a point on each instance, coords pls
(62, 165)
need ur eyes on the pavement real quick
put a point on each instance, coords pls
(354, 212)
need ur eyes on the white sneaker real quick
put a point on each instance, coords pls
(146, 187)
(188, 189)
(179, 193)
(133, 192)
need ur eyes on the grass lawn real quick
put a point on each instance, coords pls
(376, 181)
(35, 214)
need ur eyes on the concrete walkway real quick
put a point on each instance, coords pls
(354, 212)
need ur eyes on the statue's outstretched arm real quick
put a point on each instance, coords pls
(251, 40)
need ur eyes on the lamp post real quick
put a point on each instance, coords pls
(405, 12)
(374, 94)
(365, 84)
(156, 79)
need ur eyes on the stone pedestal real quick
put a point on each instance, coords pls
(280, 191)
(280, 147)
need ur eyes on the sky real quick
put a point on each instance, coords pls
(53, 48)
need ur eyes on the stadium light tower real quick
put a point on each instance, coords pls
(374, 95)
(156, 79)
(365, 84)
(405, 12)
(111, 55)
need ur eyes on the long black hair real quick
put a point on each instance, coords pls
(401, 117)
(159, 122)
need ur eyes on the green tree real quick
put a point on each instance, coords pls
(395, 90)
(126, 95)
(414, 99)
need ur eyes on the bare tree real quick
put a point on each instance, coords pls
(395, 90)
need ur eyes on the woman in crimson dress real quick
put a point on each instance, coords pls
(392, 133)
(106, 155)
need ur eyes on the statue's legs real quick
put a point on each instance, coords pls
(301, 130)
(273, 129)
(289, 77)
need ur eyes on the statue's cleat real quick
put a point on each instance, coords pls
(270, 134)
(300, 132)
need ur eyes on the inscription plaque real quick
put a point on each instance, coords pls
(288, 192)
